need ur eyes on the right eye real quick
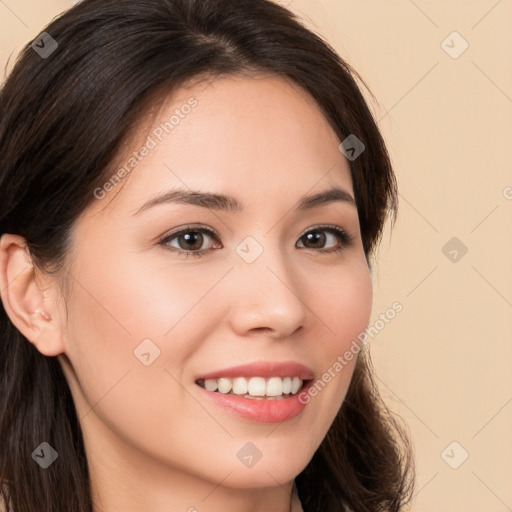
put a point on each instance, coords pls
(190, 240)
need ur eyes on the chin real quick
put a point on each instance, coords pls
(268, 468)
(272, 474)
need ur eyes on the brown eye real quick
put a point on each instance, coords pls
(318, 238)
(189, 241)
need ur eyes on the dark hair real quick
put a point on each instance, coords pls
(62, 121)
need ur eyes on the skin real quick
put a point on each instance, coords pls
(153, 442)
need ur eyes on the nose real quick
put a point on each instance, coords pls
(267, 295)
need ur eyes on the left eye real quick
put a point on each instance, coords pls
(315, 236)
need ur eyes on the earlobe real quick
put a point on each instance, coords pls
(28, 305)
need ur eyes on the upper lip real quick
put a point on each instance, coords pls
(262, 369)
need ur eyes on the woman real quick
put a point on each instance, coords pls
(191, 193)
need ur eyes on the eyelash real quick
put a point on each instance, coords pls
(343, 236)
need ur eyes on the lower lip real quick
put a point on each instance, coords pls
(262, 411)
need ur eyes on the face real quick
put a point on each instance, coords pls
(169, 298)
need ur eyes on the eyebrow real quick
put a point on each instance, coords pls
(232, 205)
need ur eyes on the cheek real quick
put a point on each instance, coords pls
(343, 303)
(117, 326)
(343, 311)
(120, 303)
(124, 315)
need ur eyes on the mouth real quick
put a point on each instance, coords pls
(255, 388)
(265, 392)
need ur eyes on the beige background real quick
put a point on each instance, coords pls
(444, 362)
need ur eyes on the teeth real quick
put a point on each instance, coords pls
(210, 384)
(240, 386)
(255, 386)
(296, 385)
(224, 385)
(274, 386)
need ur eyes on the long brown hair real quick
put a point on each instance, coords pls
(63, 117)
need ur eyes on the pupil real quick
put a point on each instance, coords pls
(190, 239)
(315, 237)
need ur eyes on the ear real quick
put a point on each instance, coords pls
(29, 296)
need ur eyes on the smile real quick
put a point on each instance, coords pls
(263, 392)
(254, 387)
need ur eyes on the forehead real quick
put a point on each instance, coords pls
(259, 139)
